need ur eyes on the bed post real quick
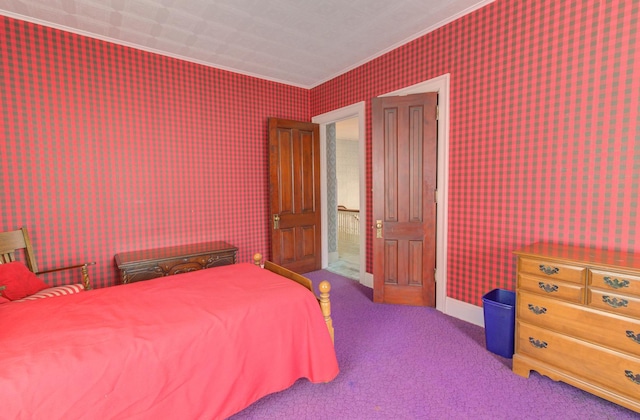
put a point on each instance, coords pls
(325, 306)
(86, 282)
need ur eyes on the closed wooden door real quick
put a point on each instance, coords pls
(294, 166)
(404, 190)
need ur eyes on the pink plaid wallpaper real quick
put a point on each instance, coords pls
(110, 149)
(107, 149)
(544, 129)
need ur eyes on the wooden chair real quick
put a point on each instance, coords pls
(18, 240)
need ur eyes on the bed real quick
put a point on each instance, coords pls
(204, 344)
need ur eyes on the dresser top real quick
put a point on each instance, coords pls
(124, 258)
(583, 255)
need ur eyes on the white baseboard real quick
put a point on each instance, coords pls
(465, 311)
(366, 279)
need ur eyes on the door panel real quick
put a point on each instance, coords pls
(309, 170)
(294, 170)
(287, 240)
(415, 164)
(415, 262)
(404, 183)
(309, 235)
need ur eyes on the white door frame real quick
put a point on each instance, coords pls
(352, 111)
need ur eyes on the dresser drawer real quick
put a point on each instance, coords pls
(550, 269)
(571, 292)
(614, 302)
(621, 283)
(614, 331)
(609, 369)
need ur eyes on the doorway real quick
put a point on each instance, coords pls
(343, 194)
(439, 84)
(326, 122)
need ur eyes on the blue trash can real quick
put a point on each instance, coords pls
(499, 308)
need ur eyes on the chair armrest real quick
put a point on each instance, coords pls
(86, 282)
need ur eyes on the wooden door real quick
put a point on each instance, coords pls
(404, 190)
(294, 166)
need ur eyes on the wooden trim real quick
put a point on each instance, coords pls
(298, 278)
(343, 208)
(86, 282)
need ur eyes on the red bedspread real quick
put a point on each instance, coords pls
(205, 344)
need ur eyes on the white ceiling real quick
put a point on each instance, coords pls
(299, 42)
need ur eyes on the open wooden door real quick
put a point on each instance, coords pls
(404, 189)
(294, 167)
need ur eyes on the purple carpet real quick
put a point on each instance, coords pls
(400, 362)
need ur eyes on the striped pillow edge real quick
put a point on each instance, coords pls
(54, 291)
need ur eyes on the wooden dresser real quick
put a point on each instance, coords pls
(578, 319)
(151, 263)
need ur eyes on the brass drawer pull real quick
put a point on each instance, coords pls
(538, 343)
(549, 288)
(549, 270)
(633, 378)
(615, 302)
(615, 283)
(633, 337)
(537, 309)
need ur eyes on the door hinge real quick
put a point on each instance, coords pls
(435, 196)
(437, 112)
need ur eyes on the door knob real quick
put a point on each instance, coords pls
(276, 221)
(378, 228)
